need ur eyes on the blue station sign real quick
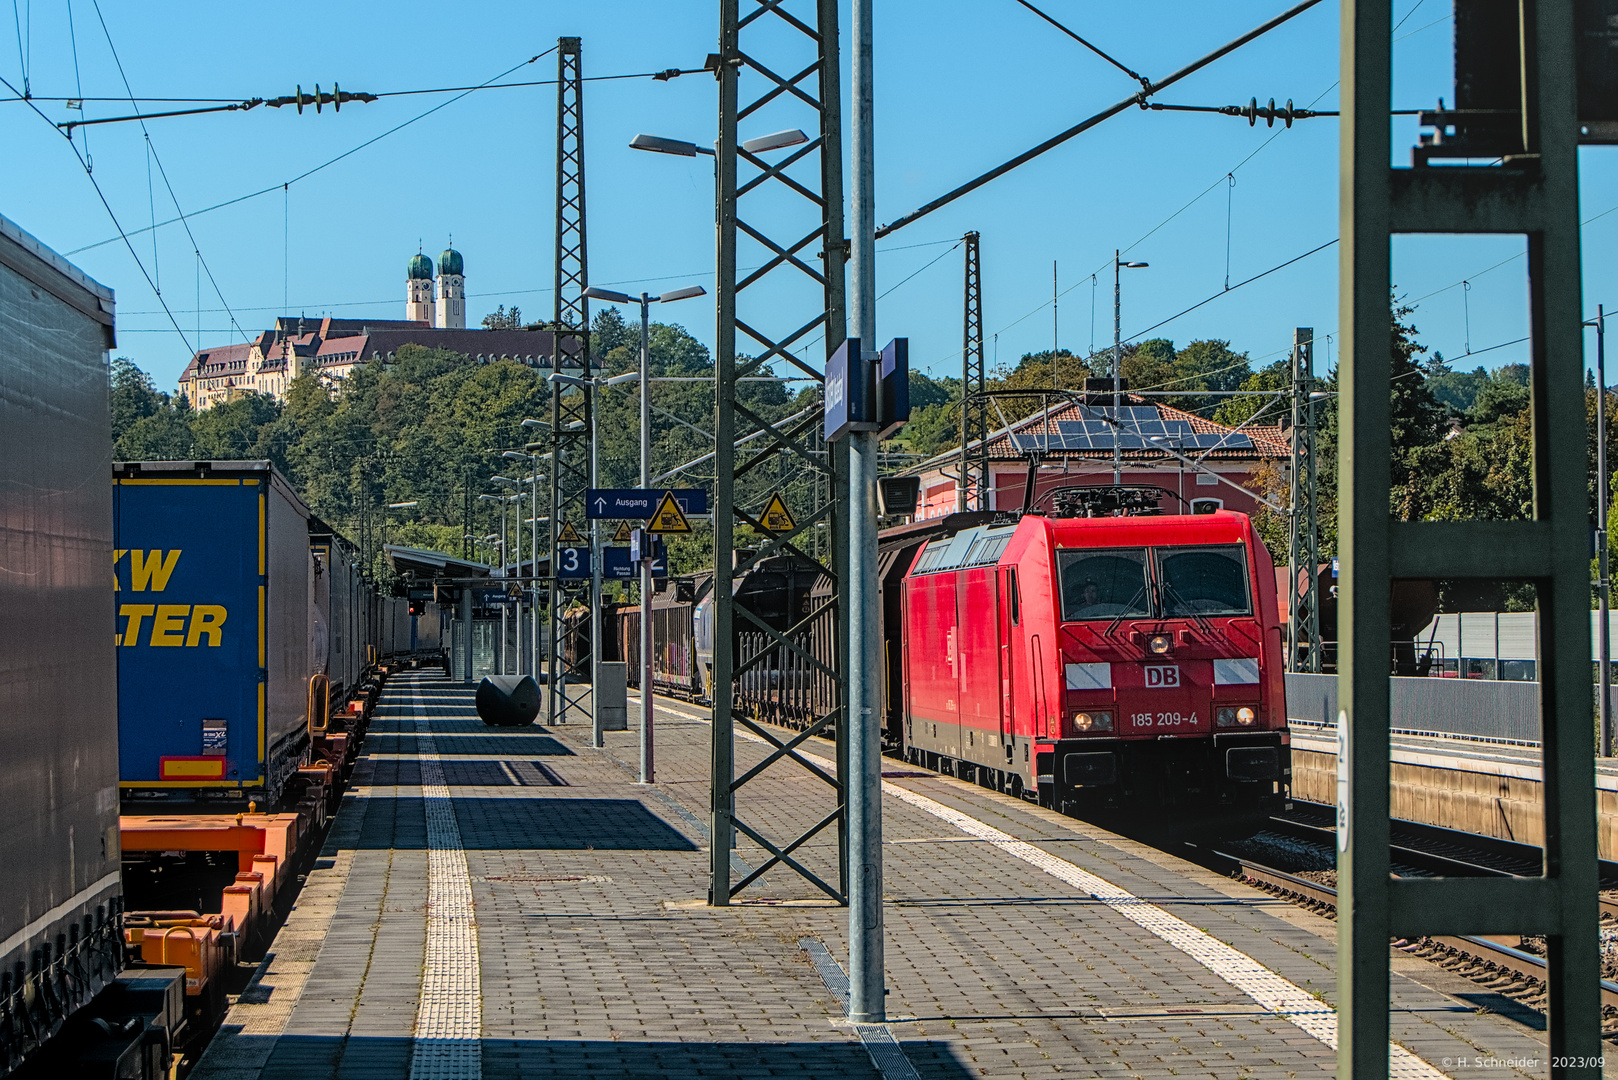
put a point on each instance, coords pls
(639, 504)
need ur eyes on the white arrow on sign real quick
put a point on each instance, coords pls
(601, 505)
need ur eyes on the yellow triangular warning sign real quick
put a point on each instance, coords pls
(776, 517)
(569, 536)
(668, 518)
(622, 535)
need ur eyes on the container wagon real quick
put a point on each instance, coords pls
(216, 631)
(60, 897)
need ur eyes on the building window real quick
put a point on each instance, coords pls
(1204, 480)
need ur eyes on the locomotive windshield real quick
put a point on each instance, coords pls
(1204, 581)
(1104, 584)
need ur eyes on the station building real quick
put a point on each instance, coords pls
(1202, 466)
(435, 316)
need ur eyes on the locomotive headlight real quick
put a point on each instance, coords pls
(1234, 717)
(1092, 721)
(1159, 644)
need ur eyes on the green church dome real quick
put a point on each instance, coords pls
(450, 263)
(421, 267)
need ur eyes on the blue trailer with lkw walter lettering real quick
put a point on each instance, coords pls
(216, 631)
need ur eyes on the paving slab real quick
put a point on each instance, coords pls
(1020, 943)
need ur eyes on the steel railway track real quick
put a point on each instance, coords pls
(1495, 956)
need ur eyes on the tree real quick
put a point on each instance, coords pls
(1235, 411)
(501, 319)
(1148, 365)
(134, 396)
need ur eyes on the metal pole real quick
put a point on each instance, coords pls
(533, 555)
(466, 623)
(597, 733)
(1117, 353)
(864, 777)
(1603, 581)
(518, 660)
(505, 553)
(647, 773)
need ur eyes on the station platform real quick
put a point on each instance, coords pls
(1491, 789)
(511, 903)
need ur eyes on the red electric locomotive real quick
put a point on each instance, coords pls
(1101, 663)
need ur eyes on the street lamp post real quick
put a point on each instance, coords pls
(647, 769)
(534, 635)
(527, 659)
(505, 551)
(1118, 265)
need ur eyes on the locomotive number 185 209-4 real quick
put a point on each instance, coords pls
(1163, 719)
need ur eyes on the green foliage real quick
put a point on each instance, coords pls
(431, 427)
(134, 396)
(1235, 411)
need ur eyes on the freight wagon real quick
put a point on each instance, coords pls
(219, 630)
(60, 895)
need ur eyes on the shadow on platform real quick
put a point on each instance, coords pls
(302, 1057)
(493, 824)
(479, 742)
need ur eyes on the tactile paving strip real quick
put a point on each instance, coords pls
(1264, 986)
(449, 1021)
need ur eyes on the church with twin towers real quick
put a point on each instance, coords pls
(443, 307)
(331, 348)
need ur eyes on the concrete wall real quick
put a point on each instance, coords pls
(1505, 807)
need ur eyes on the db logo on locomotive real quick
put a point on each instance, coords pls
(1162, 675)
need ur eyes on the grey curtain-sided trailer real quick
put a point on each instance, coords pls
(338, 637)
(58, 667)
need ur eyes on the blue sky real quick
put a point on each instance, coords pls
(960, 87)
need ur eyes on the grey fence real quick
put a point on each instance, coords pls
(1460, 708)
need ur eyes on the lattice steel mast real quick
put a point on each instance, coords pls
(1518, 119)
(807, 260)
(1303, 597)
(972, 490)
(572, 470)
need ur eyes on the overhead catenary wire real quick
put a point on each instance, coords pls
(152, 151)
(1137, 76)
(323, 165)
(1087, 124)
(122, 235)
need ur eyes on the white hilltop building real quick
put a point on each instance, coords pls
(435, 316)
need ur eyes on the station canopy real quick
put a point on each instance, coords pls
(431, 565)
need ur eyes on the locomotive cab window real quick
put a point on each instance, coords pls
(1103, 584)
(1204, 581)
(1012, 606)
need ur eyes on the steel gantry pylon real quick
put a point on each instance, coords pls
(1303, 597)
(972, 490)
(572, 466)
(1524, 140)
(786, 74)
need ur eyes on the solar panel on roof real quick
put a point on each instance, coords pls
(1068, 427)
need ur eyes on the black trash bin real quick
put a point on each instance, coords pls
(508, 700)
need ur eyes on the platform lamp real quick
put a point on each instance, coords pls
(1118, 264)
(645, 300)
(533, 425)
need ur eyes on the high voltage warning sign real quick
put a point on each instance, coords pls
(668, 517)
(569, 536)
(622, 535)
(776, 517)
